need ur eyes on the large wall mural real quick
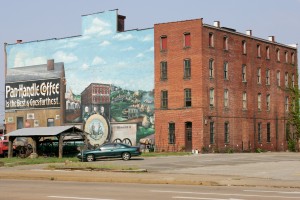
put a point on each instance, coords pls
(109, 77)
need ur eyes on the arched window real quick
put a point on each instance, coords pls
(244, 46)
(211, 40)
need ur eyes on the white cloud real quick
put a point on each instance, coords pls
(98, 61)
(105, 43)
(22, 59)
(122, 36)
(65, 57)
(140, 55)
(98, 26)
(128, 49)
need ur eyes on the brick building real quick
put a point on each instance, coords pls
(217, 89)
(34, 96)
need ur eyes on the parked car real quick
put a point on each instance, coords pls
(3, 148)
(110, 150)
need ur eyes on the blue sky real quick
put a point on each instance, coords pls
(32, 20)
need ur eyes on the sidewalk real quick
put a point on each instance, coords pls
(37, 172)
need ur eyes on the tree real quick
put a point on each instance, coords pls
(293, 122)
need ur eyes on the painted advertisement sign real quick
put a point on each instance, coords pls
(32, 94)
(107, 70)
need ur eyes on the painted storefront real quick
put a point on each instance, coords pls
(109, 76)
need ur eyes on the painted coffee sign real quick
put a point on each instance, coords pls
(32, 94)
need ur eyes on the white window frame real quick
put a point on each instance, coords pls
(226, 98)
(212, 97)
(244, 101)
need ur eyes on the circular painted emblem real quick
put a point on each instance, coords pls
(97, 128)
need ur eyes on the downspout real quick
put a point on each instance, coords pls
(5, 60)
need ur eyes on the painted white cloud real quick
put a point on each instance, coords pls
(147, 38)
(140, 55)
(128, 49)
(98, 61)
(36, 61)
(105, 43)
(151, 49)
(122, 37)
(65, 57)
(19, 59)
(98, 26)
(85, 66)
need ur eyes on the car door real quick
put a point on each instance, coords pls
(106, 150)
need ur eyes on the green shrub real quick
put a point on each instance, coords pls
(292, 145)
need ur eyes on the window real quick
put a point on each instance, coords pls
(286, 57)
(258, 51)
(278, 55)
(211, 97)
(259, 101)
(226, 101)
(50, 122)
(225, 43)
(268, 102)
(293, 80)
(259, 76)
(211, 133)
(226, 132)
(268, 53)
(268, 77)
(268, 132)
(171, 133)
(163, 70)
(278, 78)
(244, 100)
(164, 99)
(287, 104)
(244, 68)
(211, 68)
(293, 58)
(244, 46)
(259, 132)
(163, 43)
(187, 97)
(286, 79)
(187, 39)
(211, 40)
(226, 70)
(187, 68)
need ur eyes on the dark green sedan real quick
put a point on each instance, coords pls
(110, 150)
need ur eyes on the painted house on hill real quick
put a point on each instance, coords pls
(104, 54)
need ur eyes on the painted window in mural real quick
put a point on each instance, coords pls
(109, 76)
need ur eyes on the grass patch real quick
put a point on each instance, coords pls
(158, 154)
(11, 162)
(90, 166)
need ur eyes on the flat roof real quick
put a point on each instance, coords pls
(44, 131)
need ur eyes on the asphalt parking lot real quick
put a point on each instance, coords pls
(242, 169)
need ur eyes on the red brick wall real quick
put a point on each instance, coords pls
(242, 123)
(175, 84)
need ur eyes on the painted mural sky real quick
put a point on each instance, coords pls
(99, 55)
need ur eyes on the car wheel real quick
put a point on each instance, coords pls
(126, 156)
(90, 158)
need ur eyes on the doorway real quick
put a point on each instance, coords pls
(20, 122)
(188, 136)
